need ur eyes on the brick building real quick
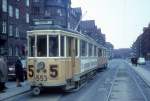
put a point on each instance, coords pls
(88, 27)
(14, 23)
(54, 11)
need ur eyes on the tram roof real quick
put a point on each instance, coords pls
(50, 27)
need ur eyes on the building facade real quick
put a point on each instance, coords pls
(14, 23)
(141, 47)
(56, 12)
(75, 16)
(89, 28)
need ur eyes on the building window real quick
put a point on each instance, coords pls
(16, 51)
(69, 26)
(4, 5)
(17, 13)
(17, 32)
(59, 12)
(47, 13)
(10, 51)
(59, 1)
(4, 27)
(35, 10)
(36, 0)
(10, 30)
(3, 50)
(10, 11)
(27, 3)
(27, 18)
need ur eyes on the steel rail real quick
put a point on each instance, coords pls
(138, 86)
(113, 82)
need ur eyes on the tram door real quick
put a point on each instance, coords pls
(71, 53)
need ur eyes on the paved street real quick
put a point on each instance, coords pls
(119, 82)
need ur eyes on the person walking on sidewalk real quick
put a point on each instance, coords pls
(3, 73)
(19, 72)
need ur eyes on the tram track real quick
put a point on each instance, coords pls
(129, 93)
(139, 87)
(17, 95)
(143, 83)
(109, 94)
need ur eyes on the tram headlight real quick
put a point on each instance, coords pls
(40, 66)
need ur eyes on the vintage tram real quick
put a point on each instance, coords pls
(62, 58)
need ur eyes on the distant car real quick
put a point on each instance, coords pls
(141, 61)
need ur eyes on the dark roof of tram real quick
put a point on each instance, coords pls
(51, 27)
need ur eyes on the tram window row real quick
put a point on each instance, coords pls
(62, 46)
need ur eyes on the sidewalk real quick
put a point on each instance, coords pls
(13, 90)
(145, 74)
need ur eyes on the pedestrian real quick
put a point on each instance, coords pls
(136, 60)
(19, 72)
(3, 73)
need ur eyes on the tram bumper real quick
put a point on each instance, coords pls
(47, 84)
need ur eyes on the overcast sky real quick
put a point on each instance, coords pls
(120, 20)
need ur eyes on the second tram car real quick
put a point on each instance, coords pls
(60, 58)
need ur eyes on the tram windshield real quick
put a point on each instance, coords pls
(53, 45)
(44, 47)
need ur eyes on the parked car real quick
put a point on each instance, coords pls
(141, 61)
(11, 72)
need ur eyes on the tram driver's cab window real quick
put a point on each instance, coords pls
(31, 46)
(42, 46)
(53, 45)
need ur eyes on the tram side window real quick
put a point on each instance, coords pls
(62, 46)
(83, 48)
(53, 45)
(99, 52)
(104, 53)
(94, 50)
(31, 46)
(90, 49)
(42, 46)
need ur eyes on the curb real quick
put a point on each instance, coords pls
(6, 98)
(141, 75)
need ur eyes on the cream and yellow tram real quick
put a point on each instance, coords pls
(59, 58)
